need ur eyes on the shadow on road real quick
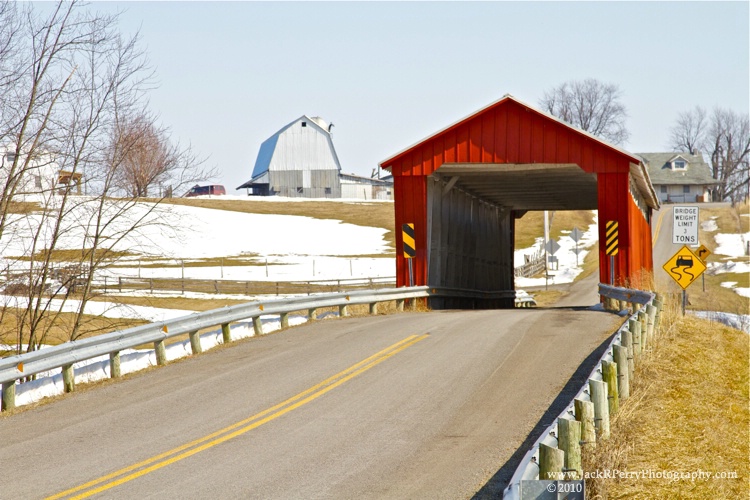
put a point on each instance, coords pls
(493, 489)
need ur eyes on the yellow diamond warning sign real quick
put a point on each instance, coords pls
(684, 267)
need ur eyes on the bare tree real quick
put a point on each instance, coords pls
(590, 105)
(148, 158)
(725, 137)
(689, 131)
(728, 143)
(68, 88)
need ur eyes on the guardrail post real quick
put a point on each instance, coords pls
(161, 352)
(643, 320)
(609, 375)
(69, 380)
(626, 339)
(569, 441)
(635, 329)
(400, 305)
(657, 320)
(9, 395)
(651, 314)
(195, 342)
(257, 326)
(226, 334)
(551, 461)
(311, 314)
(374, 308)
(584, 411)
(412, 304)
(598, 391)
(343, 311)
(114, 365)
(284, 317)
(623, 375)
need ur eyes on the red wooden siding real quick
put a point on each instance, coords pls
(509, 132)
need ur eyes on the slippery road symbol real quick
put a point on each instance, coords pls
(684, 267)
(687, 263)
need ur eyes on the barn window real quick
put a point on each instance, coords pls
(664, 189)
(685, 189)
(304, 124)
(299, 190)
(328, 190)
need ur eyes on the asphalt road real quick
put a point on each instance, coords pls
(664, 249)
(415, 405)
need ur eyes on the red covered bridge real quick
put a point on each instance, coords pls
(464, 187)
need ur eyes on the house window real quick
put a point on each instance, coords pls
(679, 165)
(685, 189)
(299, 190)
(304, 124)
(664, 189)
(328, 190)
(10, 157)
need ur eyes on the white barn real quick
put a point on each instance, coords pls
(297, 161)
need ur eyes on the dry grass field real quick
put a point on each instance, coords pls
(688, 412)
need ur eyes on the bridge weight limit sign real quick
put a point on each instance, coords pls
(685, 226)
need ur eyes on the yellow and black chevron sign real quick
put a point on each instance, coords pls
(611, 239)
(410, 247)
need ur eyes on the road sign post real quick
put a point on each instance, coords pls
(703, 254)
(575, 235)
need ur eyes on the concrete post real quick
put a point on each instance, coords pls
(373, 308)
(400, 305)
(311, 314)
(226, 333)
(284, 317)
(343, 311)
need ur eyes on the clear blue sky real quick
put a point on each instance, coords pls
(388, 74)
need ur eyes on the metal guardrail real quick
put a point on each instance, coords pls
(14, 368)
(528, 469)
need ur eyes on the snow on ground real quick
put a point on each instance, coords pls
(91, 370)
(100, 308)
(567, 270)
(732, 245)
(737, 321)
(710, 225)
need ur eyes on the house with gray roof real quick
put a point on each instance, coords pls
(679, 177)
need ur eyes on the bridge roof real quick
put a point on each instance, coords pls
(516, 155)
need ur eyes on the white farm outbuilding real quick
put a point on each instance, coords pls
(299, 161)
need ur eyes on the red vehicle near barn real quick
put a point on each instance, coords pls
(213, 189)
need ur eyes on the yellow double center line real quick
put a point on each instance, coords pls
(237, 429)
